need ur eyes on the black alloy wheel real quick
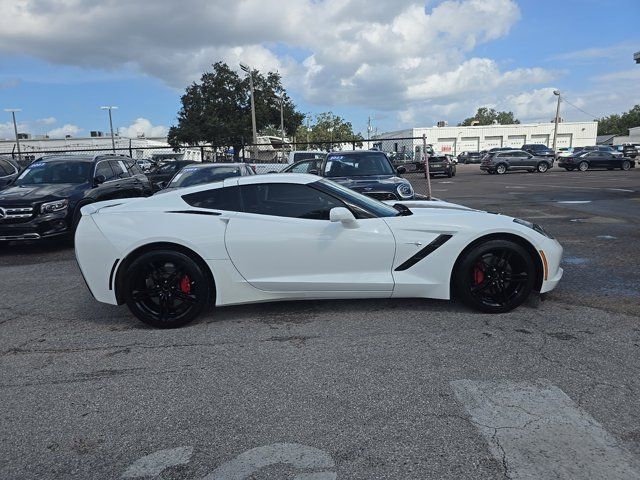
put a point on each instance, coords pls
(583, 166)
(626, 165)
(495, 276)
(166, 289)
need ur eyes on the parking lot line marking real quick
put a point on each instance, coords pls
(154, 464)
(575, 201)
(534, 430)
(621, 190)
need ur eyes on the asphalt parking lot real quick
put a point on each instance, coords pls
(380, 389)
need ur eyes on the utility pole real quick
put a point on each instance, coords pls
(282, 121)
(308, 129)
(368, 131)
(113, 142)
(15, 129)
(246, 68)
(557, 119)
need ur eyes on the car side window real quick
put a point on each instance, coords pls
(227, 198)
(104, 168)
(133, 167)
(6, 168)
(119, 168)
(288, 200)
(302, 167)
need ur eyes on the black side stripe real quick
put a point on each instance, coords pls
(113, 270)
(196, 212)
(437, 243)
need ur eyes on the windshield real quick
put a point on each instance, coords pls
(299, 156)
(369, 204)
(40, 173)
(190, 176)
(360, 165)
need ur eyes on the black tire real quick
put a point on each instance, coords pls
(626, 165)
(449, 174)
(542, 167)
(501, 169)
(166, 289)
(583, 166)
(495, 276)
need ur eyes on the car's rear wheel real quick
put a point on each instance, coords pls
(495, 276)
(542, 167)
(166, 289)
(500, 169)
(583, 166)
(626, 165)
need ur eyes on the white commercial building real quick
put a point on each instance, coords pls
(455, 139)
(633, 137)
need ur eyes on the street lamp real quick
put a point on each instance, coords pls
(15, 129)
(246, 68)
(555, 127)
(281, 98)
(113, 142)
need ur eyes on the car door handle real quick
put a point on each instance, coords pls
(417, 244)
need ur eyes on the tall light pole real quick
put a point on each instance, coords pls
(113, 142)
(15, 129)
(281, 97)
(308, 129)
(557, 119)
(246, 68)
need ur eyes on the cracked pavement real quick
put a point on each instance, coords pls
(86, 390)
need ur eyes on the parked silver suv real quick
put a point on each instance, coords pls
(501, 161)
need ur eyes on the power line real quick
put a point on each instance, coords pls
(595, 117)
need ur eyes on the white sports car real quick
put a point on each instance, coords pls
(292, 236)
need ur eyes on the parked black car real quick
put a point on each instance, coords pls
(366, 171)
(9, 171)
(502, 161)
(538, 150)
(441, 165)
(46, 198)
(470, 157)
(604, 148)
(591, 159)
(200, 173)
(164, 171)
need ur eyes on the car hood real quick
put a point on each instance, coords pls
(36, 193)
(379, 182)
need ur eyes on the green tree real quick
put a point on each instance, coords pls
(487, 116)
(328, 131)
(217, 110)
(619, 124)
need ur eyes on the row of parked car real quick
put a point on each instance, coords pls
(536, 157)
(44, 199)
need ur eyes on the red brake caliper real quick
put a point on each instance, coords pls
(185, 284)
(478, 274)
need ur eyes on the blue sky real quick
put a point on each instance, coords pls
(401, 64)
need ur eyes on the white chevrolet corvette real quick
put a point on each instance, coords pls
(289, 237)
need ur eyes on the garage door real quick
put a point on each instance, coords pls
(469, 144)
(446, 145)
(516, 141)
(492, 142)
(543, 139)
(564, 140)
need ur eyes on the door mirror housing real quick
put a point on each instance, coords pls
(343, 215)
(162, 185)
(401, 170)
(99, 179)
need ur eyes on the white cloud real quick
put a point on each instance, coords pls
(46, 121)
(141, 127)
(67, 129)
(7, 132)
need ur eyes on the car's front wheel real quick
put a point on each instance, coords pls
(495, 276)
(626, 165)
(166, 288)
(583, 166)
(543, 167)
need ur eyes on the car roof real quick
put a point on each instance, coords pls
(213, 165)
(354, 152)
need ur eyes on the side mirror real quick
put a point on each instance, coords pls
(162, 185)
(343, 215)
(313, 171)
(401, 170)
(98, 179)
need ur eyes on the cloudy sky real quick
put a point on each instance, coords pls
(402, 62)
